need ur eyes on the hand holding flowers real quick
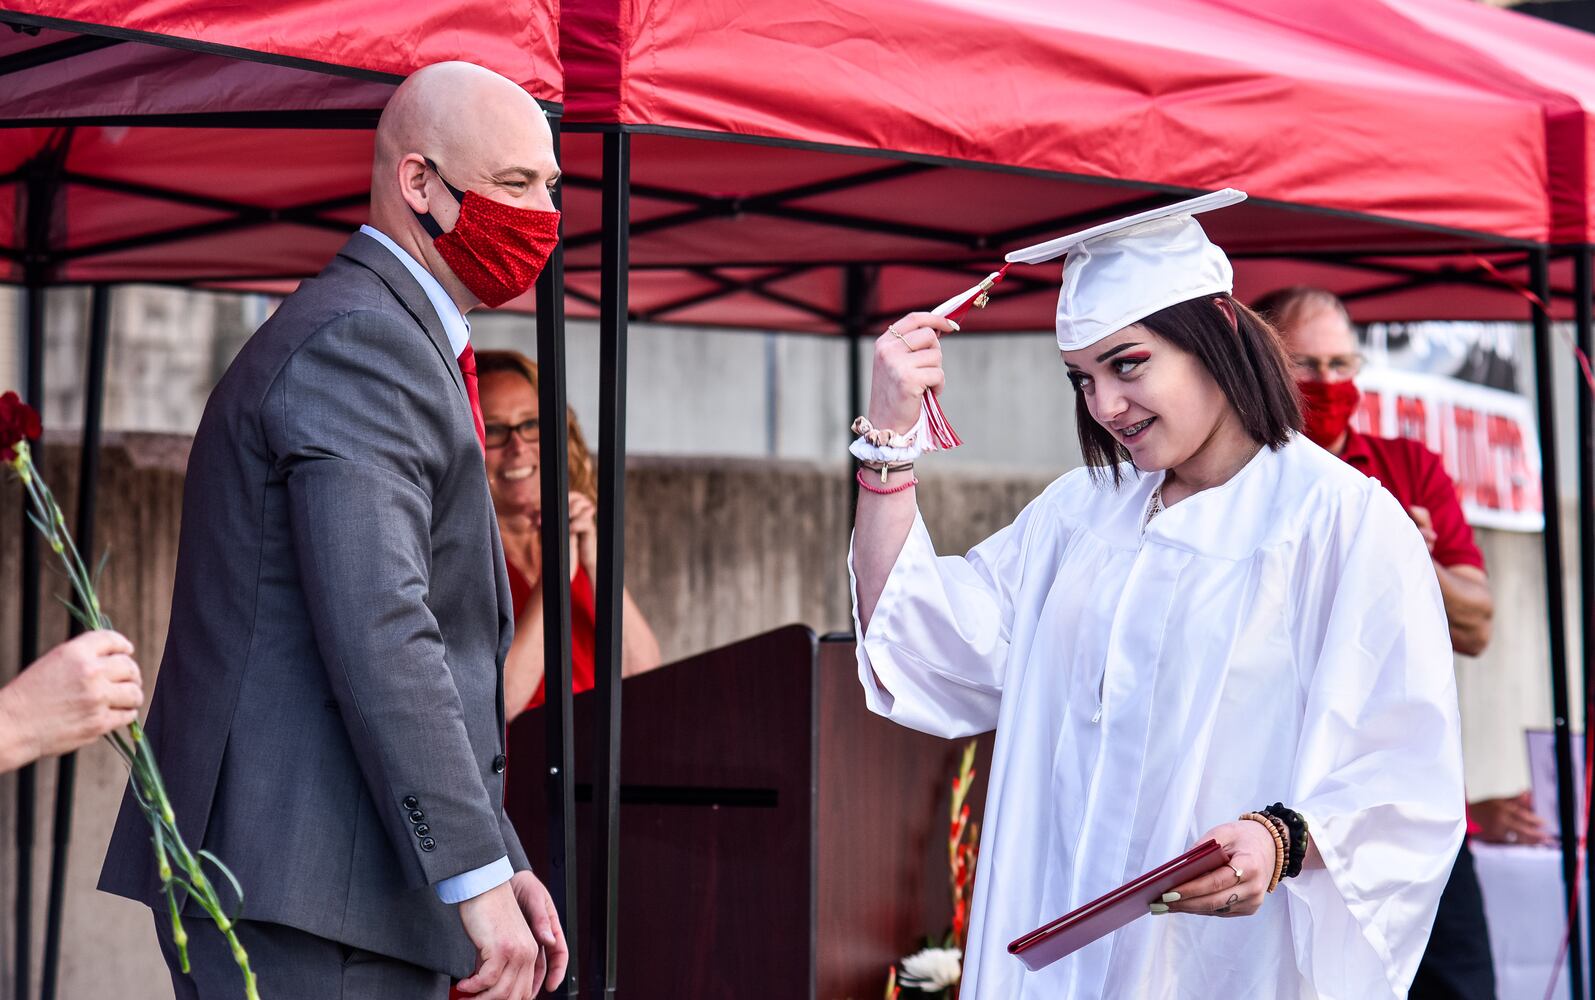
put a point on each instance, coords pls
(181, 869)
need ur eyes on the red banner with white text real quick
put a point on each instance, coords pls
(1485, 436)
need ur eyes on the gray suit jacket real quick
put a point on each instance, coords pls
(329, 715)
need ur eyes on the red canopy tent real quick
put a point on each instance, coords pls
(1138, 102)
(172, 142)
(809, 167)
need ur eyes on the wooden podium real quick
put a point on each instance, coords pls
(777, 839)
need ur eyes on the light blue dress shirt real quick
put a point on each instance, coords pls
(455, 324)
(477, 881)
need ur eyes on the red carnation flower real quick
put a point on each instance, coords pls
(18, 422)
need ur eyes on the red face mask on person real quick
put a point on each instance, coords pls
(1328, 409)
(496, 250)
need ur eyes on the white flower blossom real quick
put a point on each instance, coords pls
(932, 970)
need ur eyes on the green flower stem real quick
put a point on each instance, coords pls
(180, 869)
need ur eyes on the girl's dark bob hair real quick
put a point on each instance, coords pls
(1247, 360)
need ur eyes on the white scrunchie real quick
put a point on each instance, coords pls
(895, 447)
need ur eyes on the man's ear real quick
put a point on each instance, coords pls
(412, 178)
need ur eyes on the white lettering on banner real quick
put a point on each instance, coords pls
(1485, 437)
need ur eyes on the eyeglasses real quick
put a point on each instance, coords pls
(1335, 368)
(498, 435)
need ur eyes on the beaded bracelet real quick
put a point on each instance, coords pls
(1279, 846)
(1297, 825)
(1284, 837)
(863, 481)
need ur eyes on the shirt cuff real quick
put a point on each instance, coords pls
(473, 883)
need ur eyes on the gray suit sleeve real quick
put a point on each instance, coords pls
(357, 424)
(512, 843)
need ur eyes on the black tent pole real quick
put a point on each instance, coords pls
(88, 487)
(615, 276)
(1545, 404)
(1583, 308)
(28, 649)
(856, 281)
(41, 185)
(559, 740)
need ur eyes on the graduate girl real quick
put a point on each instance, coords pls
(1215, 619)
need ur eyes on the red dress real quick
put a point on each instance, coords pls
(583, 627)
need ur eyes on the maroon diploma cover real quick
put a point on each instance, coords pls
(1073, 931)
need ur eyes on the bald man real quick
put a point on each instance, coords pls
(329, 713)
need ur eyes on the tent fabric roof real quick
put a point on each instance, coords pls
(1558, 59)
(1184, 93)
(179, 143)
(372, 38)
(1062, 115)
(748, 234)
(778, 145)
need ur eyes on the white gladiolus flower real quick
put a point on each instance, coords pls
(933, 969)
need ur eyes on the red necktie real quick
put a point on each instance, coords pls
(467, 360)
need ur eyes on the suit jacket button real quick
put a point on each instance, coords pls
(417, 815)
(498, 764)
(427, 843)
(410, 802)
(421, 829)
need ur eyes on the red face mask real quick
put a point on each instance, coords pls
(496, 250)
(1328, 409)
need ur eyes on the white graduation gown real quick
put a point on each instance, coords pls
(1278, 638)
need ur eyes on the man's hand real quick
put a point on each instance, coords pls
(538, 907)
(1420, 517)
(1509, 821)
(71, 696)
(508, 958)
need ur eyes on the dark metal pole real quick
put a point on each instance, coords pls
(88, 485)
(1545, 403)
(42, 183)
(615, 275)
(28, 650)
(560, 743)
(857, 283)
(1584, 289)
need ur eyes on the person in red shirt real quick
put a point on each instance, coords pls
(508, 389)
(1322, 345)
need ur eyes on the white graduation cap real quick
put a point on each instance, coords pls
(1121, 272)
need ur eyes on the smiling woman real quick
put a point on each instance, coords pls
(1211, 365)
(1216, 614)
(508, 382)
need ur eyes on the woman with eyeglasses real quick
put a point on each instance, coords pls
(508, 387)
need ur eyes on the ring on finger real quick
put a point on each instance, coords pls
(904, 340)
(1240, 876)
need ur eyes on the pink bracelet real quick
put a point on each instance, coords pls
(863, 481)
